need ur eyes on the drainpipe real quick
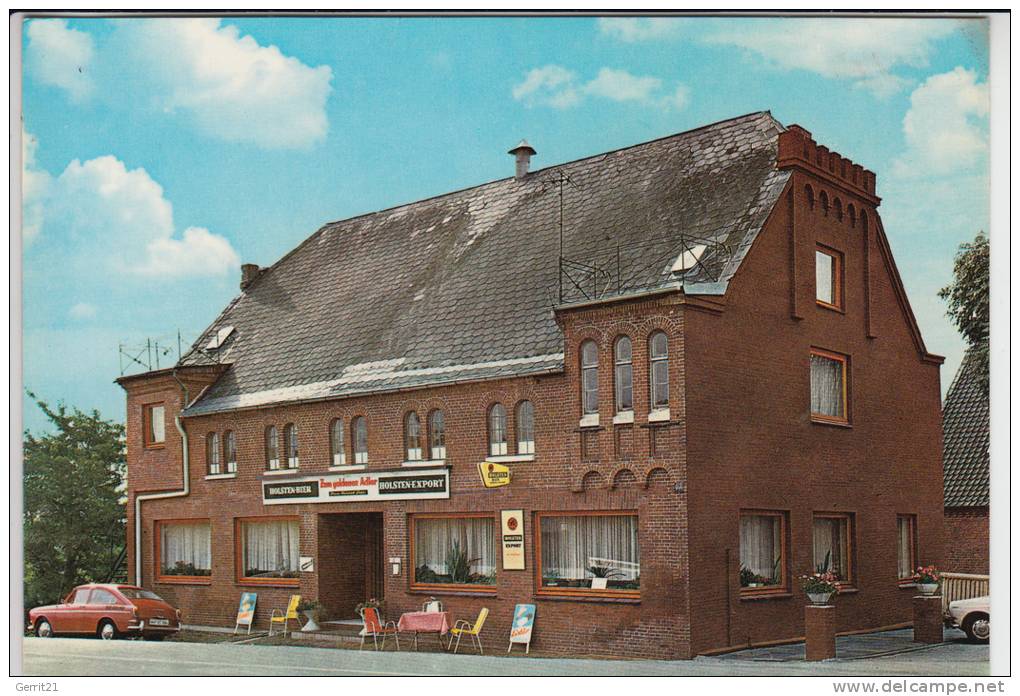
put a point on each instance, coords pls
(163, 494)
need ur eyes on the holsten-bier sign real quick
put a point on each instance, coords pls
(394, 484)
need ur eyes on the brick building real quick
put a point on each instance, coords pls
(694, 356)
(965, 460)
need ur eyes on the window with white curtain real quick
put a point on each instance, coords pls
(185, 549)
(359, 433)
(155, 425)
(658, 369)
(336, 442)
(290, 442)
(525, 423)
(828, 269)
(454, 550)
(589, 377)
(212, 453)
(828, 386)
(906, 548)
(761, 550)
(586, 552)
(412, 437)
(269, 548)
(831, 544)
(230, 451)
(437, 435)
(497, 430)
(272, 448)
(623, 374)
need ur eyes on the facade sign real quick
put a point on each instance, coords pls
(494, 475)
(513, 539)
(306, 564)
(522, 625)
(397, 484)
(246, 611)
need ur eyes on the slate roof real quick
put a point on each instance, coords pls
(965, 438)
(462, 286)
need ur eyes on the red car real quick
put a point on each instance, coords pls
(107, 611)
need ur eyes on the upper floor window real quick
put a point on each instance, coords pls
(230, 451)
(624, 374)
(829, 278)
(291, 444)
(212, 453)
(590, 377)
(359, 433)
(525, 421)
(336, 442)
(272, 448)
(412, 437)
(828, 386)
(154, 426)
(437, 435)
(658, 369)
(497, 430)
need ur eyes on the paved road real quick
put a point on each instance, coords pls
(73, 657)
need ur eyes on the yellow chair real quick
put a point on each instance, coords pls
(282, 617)
(465, 628)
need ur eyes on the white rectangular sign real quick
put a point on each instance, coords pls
(392, 484)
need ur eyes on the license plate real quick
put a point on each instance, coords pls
(159, 622)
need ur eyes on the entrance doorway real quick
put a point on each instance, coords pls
(351, 561)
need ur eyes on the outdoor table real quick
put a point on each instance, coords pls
(437, 622)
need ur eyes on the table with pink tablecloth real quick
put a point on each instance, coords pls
(416, 622)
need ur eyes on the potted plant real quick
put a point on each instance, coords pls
(312, 611)
(819, 586)
(927, 579)
(601, 575)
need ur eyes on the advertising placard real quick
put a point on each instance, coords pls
(246, 611)
(522, 625)
(513, 539)
(494, 475)
(392, 484)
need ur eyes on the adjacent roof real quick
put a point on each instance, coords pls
(463, 286)
(965, 437)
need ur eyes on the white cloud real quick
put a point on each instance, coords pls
(632, 29)
(117, 220)
(60, 56)
(946, 127)
(558, 87)
(864, 51)
(228, 85)
(35, 184)
(82, 310)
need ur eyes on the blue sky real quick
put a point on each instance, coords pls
(160, 154)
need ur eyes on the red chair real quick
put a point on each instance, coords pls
(374, 626)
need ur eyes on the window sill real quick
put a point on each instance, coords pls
(347, 467)
(279, 472)
(658, 415)
(760, 595)
(220, 477)
(423, 462)
(269, 582)
(909, 585)
(623, 417)
(831, 307)
(155, 447)
(508, 458)
(184, 580)
(590, 420)
(834, 423)
(588, 597)
(848, 589)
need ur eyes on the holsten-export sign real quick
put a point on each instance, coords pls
(394, 484)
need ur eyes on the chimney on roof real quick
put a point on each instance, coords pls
(523, 153)
(249, 272)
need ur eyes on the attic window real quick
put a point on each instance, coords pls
(689, 259)
(220, 338)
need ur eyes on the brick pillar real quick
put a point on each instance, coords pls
(819, 632)
(928, 619)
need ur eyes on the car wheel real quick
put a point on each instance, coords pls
(107, 630)
(977, 628)
(43, 629)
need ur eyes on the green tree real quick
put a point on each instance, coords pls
(74, 504)
(967, 297)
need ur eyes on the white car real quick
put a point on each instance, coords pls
(972, 616)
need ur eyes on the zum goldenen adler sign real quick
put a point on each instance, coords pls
(402, 484)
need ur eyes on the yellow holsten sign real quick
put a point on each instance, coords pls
(494, 475)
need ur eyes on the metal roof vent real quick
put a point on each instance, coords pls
(523, 153)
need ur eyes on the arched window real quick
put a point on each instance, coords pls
(291, 445)
(623, 374)
(272, 449)
(837, 206)
(497, 430)
(359, 434)
(412, 437)
(230, 451)
(658, 369)
(524, 419)
(810, 196)
(336, 442)
(212, 453)
(437, 435)
(823, 199)
(589, 377)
